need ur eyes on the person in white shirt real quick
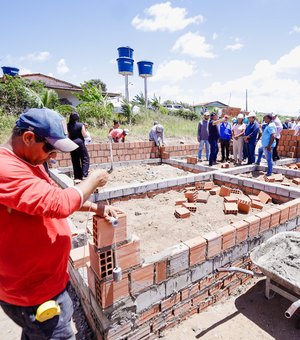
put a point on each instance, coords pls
(279, 128)
(238, 130)
(87, 138)
(297, 127)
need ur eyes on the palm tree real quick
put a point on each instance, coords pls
(49, 99)
(139, 99)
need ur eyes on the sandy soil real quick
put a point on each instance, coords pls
(158, 228)
(246, 315)
(136, 174)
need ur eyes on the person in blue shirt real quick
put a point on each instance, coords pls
(225, 137)
(250, 137)
(267, 143)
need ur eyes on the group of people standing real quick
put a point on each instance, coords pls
(244, 132)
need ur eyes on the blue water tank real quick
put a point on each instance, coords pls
(11, 71)
(125, 66)
(126, 52)
(145, 68)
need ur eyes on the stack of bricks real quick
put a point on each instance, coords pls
(128, 151)
(289, 145)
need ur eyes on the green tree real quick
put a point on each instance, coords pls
(155, 103)
(17, 94)
(49, 99)
(128, 112)
(139, 99)
(99, 83)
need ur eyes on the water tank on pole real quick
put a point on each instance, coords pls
(125, 66)
(10, 71)
(145, 68)
(145, 71)
(126, 52)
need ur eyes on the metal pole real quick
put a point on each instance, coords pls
(145, 89)
(126, 88)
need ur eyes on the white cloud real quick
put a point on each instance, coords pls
(234, 47)
(174, 70)
(164, 17)
(215, 36)
(295, 29)
(24, 70)
(270, 86)
(193, 45)
(50, 74)
(36, 56)
(62, 67)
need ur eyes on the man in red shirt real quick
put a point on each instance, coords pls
(35, 238)
(118, 135)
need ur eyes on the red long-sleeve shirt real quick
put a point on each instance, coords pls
(35, 238)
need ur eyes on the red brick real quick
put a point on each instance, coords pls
(149, 314)
(128, 255)
(104, 234)
(228, 236)
(264, 197)
(230, 199)
(284, 212)
(182, 212)
(254, 223)
(197, 247)
(265, 220)
(214, 243)
(91, 279)
(296, 181)
(180, 202)
(214, 191)
(199, 298)
(191, 160)
(109, 292)
(190, 206)
(170, 302)
(256, 204)
(79, 256)
(141, 278)
(160, 271)
(275, 217)
(293, 205)
(225, 191)
(230, 208)
(244, 205)
(242, 230)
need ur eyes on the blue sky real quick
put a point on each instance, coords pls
(202, 50)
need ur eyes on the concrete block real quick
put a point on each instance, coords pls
(281, 228)
(267, 234)
(175, 284)
(282, 191)
(239, 250)
(150, 297)
(202, 270)
(178, 259)
(254, 242)
(291, 224)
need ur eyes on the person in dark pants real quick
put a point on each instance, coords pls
(80, 157)
(225, 136)
(213, 136)
(250, 137)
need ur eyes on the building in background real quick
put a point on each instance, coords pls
(216, 106)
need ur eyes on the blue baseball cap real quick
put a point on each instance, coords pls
(48, 124)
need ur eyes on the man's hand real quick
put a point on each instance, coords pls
(268, 148)
(100, 176)
(108, 211)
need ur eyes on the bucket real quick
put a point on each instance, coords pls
(126, 52)
(125, 66)
(145, 68)
(10, 71)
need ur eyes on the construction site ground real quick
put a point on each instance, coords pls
(153, 220)
(245, 315)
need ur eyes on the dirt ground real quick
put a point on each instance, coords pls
(136, 174)
(245, 315)
(153, 220)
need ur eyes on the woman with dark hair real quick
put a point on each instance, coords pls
(80, 157)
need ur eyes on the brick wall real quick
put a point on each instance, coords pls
(128, 151)
(289, 145)
(175, 284)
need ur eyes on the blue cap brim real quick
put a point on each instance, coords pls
(64, 145)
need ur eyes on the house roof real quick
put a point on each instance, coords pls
(58, 84)
(52, 83)
(212, 104)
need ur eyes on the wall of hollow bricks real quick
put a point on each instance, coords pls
(158, 292)
(129, 151)
(289, 145)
